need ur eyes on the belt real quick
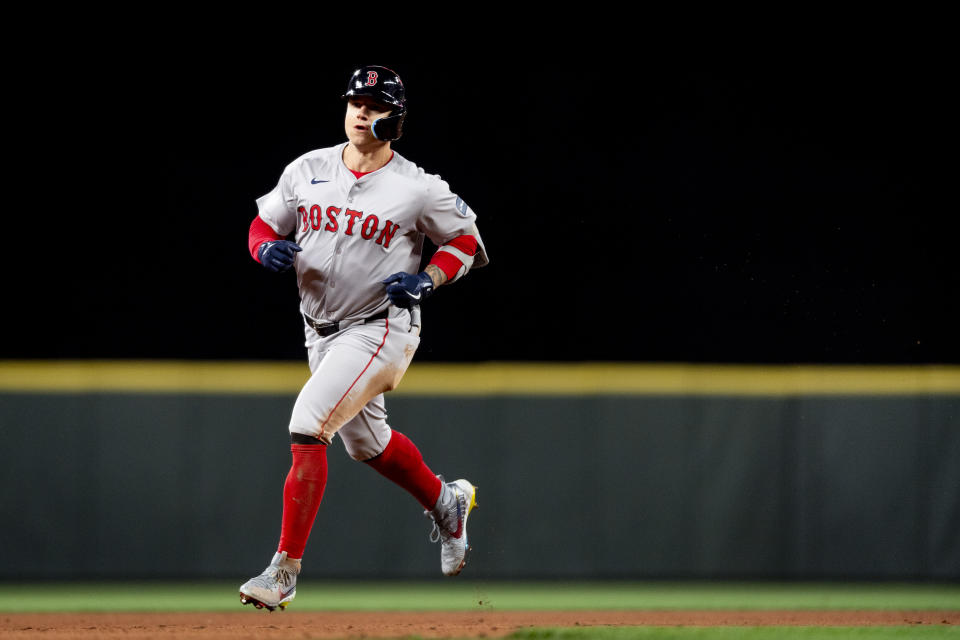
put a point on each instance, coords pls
(329, 328)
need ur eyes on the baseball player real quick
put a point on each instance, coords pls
(357, 214)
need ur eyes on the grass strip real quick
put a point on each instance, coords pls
(473, 595)
(741, 633)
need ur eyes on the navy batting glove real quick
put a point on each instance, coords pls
(407, 290)
(278, 255)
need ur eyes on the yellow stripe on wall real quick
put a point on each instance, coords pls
(152, 376)
(673, 379)
(106, 376)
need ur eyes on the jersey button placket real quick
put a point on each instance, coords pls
(338, 246)
(341, 237)
(349, 201)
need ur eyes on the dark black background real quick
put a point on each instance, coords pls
(764, 207)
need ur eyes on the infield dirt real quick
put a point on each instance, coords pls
(291, 625)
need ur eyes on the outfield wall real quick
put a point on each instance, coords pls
(635, 471)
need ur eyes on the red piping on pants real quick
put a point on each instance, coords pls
(372, 358)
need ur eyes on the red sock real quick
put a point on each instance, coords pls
(302, 494)
(401, 462)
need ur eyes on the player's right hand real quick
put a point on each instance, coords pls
(278, 255)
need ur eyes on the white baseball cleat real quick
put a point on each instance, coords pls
(457, 499)
(275, 587)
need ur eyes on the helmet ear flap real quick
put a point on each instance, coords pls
(390, 127)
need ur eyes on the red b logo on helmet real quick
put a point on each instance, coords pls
(371, 78)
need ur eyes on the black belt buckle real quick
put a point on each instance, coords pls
(324, 330)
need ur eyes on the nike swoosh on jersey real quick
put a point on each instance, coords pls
(315, 181)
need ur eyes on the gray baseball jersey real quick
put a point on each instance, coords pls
(356, 232)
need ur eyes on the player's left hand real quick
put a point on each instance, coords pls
(407, 290)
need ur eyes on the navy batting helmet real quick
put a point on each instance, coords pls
(384, 86)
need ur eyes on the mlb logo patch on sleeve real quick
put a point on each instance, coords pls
(462, 207)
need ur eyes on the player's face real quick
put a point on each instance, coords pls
(362, 111)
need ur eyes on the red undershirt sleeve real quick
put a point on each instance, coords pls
(260, 232)
(449, 263)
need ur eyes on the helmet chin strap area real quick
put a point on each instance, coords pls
(388, 128)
